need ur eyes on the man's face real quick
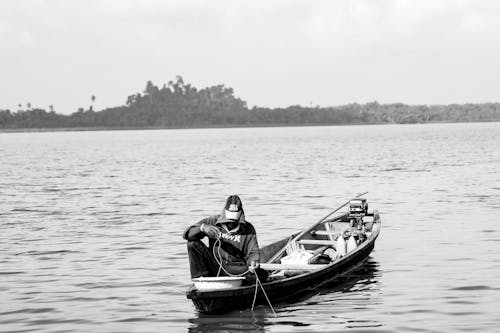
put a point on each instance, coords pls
(231, 225)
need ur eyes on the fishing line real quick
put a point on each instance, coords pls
(219, 261)
(265, 294)
(255, 295)
(257, 283)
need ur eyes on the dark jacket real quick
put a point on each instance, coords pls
(239, 248)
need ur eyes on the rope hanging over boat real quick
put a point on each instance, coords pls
(219, 261)
(264, 292)
(257, 283)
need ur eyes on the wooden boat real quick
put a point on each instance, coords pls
(287, 280)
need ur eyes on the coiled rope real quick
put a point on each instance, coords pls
(257, 283)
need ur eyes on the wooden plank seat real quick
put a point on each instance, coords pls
(291, 267)
(324, 232)
(316, 242)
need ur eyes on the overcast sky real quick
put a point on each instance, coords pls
(272, 53)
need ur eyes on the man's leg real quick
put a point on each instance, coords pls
(201, 260)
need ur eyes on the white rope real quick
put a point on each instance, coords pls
(267, 298)
(219, 261)
(255, 295)
(257, 283)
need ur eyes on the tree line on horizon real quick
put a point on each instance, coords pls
(179, 104)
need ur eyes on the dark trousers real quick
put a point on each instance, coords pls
(202, 263)
(201, 260)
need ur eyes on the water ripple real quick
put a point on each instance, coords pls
(92, 223)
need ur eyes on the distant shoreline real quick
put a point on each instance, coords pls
(180, 105)
(135, 128)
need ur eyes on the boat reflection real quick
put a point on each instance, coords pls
(363, 281)
(236, 321)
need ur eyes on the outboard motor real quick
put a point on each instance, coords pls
(358, 208)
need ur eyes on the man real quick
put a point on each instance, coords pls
(232, 243)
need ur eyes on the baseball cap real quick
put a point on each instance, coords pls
(233, 208)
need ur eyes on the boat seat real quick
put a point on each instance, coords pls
(316, 242)
(324, 232)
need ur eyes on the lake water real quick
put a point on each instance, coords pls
(91, 223)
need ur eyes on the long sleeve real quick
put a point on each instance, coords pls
(193, 232)
(252, 252)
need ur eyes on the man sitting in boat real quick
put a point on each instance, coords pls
(233, 247)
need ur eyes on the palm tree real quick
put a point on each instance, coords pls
(92, 100)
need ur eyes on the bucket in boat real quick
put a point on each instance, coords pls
(217, 282)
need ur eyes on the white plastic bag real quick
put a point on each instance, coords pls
(298, 257)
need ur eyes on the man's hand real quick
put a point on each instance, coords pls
(210, 230)
(253, 266)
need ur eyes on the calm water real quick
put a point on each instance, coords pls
(91, 222)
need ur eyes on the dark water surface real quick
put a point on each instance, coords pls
(91, 222)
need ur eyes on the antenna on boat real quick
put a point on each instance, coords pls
(338, 208)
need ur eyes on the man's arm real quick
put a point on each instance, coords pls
(194, 231)
(252, 252)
